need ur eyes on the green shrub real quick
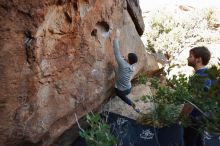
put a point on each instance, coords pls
(99, 132)
(142, 79)
(210, 16)
(169, 98)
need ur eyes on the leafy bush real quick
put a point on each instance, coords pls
(171, 33)
(99, 132)
(166, 101)
(210, 106)
(169, 98)
(154, 82)
(210, 17)
(142, 79)
(166, 34)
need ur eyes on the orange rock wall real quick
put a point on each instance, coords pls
(56, 60)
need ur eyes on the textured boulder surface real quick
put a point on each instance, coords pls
(57, 61)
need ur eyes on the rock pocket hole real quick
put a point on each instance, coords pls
(68, 17)
(75, 6)
(61, 2)
(102, 26)
(94, 32)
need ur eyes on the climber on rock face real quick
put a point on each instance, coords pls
(124, 72)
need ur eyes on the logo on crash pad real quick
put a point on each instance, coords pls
(146, 134)
(121, 121)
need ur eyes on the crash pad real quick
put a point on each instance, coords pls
(131, 133)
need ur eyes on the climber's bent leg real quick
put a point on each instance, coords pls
(123, 96)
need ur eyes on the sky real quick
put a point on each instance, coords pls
(148, 5)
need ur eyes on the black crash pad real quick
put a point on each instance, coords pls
(131, 133)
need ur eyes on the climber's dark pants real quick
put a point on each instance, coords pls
(123, 95)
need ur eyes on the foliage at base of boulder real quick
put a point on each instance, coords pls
(141, 79)
(99, 132)
(166, 101)
(161, 115)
